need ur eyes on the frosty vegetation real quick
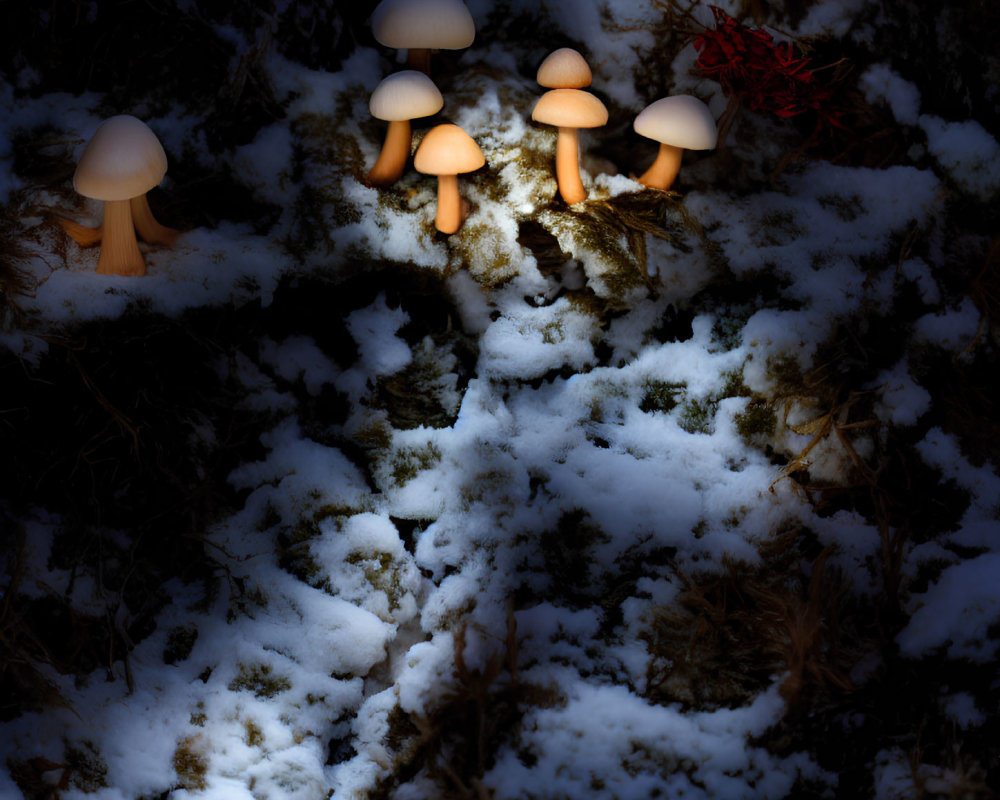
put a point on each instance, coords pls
(663, 494)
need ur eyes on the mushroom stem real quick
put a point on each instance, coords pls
(147, 227)
(568, 167)
(449, 210)
(395, 150)
(83, 235)
(664, 169)
(119, 250)
(419, 58)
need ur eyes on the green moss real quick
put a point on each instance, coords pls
(734, 386)
(778, 227)
(408, 462)
(198, 716)
(660, 396)
(758, 419)
(382, 573)
(697, 416)
(259, 679)
(89, 772)
(294, 555)
(191, 764)
(254, 735)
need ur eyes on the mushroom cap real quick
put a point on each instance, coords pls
(423, 24)
(570, 108)
(408, 94)
(123, 159)
(564, 68)
(447, 150)
(680, 120)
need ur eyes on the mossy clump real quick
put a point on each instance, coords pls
(191, 763)
(295, 556)
(382, 572)
(697, 416)
(408, 462)
(756, 420)
(660, 396)
(259, 679)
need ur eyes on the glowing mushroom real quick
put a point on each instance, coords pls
(423, 26)
(564, 68)
(678, 123)
(399, 98)
(122, 162)
(568, 110)
(447, 151)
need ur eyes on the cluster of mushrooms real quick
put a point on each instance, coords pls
(678, 123)
(124, 159)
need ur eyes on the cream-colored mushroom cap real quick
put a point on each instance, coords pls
(405, 95)
(124, 159)
(570, 108)
(423, 24)
(447, 150)
(681, 120)
(564, 68)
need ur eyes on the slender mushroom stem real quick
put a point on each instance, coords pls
(664, 169)
(119, 250)
(419, 58)
(449, 210)
(146, 225)
(395, 150)
(568, 167)
(83, 235)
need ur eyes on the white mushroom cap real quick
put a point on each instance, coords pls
(124, 159)
(681, 120)
(570, 108)
(447, 150)
(423, 24)
(405, 95)
(564, 68)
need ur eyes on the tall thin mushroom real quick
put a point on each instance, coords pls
(122, 161)
(569, 110)
(397, 99)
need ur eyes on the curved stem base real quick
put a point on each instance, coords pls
(663, 171)
(147, 227)
(395, 150)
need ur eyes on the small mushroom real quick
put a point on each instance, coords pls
(423, 26)
(122, 162)
(399, 98)
(678, 123)
(447, 151)
(564, 68)
(568, 110)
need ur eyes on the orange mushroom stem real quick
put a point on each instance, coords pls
(568, 166)
(119, 250)
(663, 171)
(391, 162)
(449, 208)
(147, 226)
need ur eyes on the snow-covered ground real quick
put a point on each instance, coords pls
(671, 494)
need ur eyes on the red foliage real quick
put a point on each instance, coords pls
(751, 67)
